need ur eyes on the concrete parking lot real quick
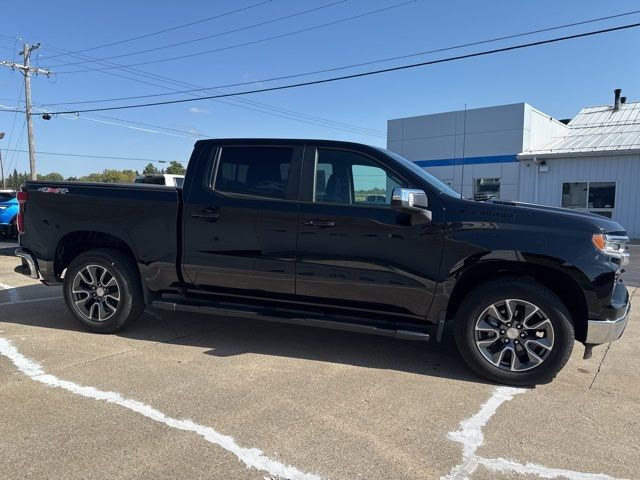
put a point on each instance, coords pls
(188, 396)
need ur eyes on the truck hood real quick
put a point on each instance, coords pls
(606, 225)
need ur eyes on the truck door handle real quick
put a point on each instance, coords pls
(206, 213)
(320, 223)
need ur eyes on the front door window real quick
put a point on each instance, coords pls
(351, 178)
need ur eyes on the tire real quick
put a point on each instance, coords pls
(109, 283)
(531, 359)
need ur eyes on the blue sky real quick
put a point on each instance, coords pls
(558, 79)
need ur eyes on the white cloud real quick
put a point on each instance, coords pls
(199, 111)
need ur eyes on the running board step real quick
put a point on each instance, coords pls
(286, 316)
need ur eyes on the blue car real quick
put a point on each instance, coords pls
(8, 213)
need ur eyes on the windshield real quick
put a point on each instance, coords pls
(422, 173)
(6, 196)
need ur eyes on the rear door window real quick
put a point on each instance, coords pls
(256, 171)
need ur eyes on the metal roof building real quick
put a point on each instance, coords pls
(590, 163)
(596, 130)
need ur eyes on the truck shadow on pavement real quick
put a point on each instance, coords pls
(7, 246)
(226, 337)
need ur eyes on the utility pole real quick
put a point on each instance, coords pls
(27, 70)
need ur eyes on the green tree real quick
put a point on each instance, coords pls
(111, 176)
(150, 169)
(175, 168)
(51, 177)
(15, 180)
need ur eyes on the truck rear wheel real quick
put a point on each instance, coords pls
(102, 290)
(514, 331)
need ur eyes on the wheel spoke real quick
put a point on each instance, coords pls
(92, 270)
(86, 277)
(533, 356)
(113, 298)
(541, 342)
(493, 311)
(82, 304)
(501, 355)
(102, 311)
(485, 326)
(528, 313)
(510, 305)
(538, 325)
(104, 276)
(92, 308)
(487, 343)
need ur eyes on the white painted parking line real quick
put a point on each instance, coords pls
(471, 437)
(251, 457)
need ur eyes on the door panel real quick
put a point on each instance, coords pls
(354, 250)
(241, 243)
(372, 259)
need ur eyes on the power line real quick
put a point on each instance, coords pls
(354, 65)
(254, 105)
(18, 144)
(215, 35)
(305, 118)
(15, 116)
(181, 134)
(91, 118)
(119, 42)
(254, 42)
(362, 74)
(98, 156)
(154, 126)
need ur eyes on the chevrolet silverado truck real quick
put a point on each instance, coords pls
(337, 235)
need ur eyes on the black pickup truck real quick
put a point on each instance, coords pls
(338, 235)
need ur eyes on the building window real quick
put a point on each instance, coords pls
(486, 188)
(594, 197)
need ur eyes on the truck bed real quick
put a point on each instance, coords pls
(144, 217)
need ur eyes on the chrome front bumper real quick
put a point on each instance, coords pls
(29, 265)
(605, 331)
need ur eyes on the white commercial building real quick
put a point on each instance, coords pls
(515, 152)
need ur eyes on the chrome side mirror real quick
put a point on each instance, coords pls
(410, 201)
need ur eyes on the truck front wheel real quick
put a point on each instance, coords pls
(102, 290)
(514, 331)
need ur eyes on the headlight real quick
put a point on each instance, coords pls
(614, 246)
(3, 207)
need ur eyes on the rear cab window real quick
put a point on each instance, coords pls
(257, 171)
